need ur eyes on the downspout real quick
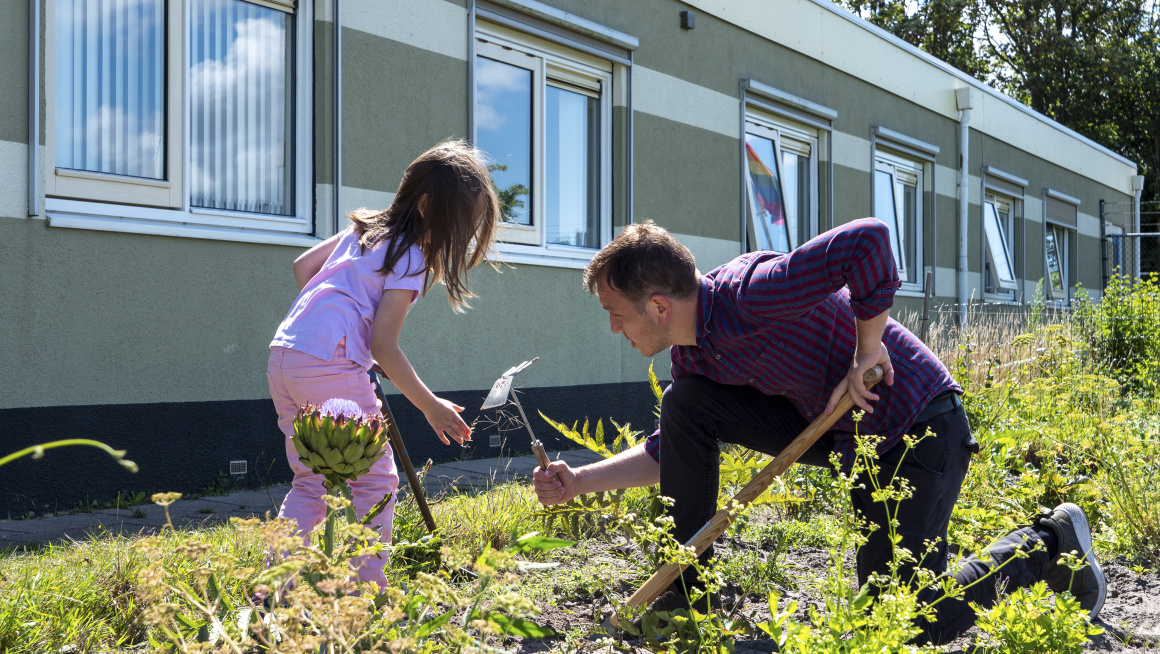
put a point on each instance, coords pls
(1137, 197)
(337, 115)
(630, 216)
(963, 102)
(34, 108)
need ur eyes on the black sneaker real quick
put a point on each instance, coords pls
(1074, 535)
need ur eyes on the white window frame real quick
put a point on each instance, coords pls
(796, 138)
(87, 200)
(905, 171)
(518, 243)
(994, 205)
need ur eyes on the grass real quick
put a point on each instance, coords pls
(1055, 423)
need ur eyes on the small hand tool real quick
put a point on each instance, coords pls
(501, 391)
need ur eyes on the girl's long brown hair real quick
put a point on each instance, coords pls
(459, 217)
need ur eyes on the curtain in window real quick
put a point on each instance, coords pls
(110, 86)
(241, 139)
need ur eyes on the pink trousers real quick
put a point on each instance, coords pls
(297, 379)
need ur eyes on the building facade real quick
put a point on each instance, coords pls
(162, 163)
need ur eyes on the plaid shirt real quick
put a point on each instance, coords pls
(784, 324)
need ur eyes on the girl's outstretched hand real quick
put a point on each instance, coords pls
(443, 416)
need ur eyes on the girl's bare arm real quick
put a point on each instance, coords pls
(307, 265)
(442, 414)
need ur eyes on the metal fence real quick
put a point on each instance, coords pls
(1131, 254)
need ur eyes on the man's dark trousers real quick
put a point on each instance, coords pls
(698, 414)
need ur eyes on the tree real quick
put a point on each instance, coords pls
(509, 198)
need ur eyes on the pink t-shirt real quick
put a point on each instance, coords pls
(341, 300)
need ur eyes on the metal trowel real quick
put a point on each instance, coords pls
(500, 394)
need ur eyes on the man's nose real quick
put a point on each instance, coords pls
(615, 325)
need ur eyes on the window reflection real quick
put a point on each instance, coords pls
(572, 170)
(767, 208)
(885, 210)
(110, 86)
(503, 123)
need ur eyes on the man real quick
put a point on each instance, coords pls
(763, 345)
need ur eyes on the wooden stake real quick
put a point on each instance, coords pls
(716, 526)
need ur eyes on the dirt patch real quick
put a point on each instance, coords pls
(1130, 616)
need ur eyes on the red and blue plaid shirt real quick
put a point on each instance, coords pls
(785, 325)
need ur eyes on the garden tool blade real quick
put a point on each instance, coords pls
(499, 393)
(502, 386)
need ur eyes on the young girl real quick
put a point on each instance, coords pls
(356, 289)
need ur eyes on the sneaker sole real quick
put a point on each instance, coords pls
(1083, 533)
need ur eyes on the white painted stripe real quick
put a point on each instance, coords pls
(947, 184)
(13, 180)
(673, 98)
(1087, 225)
(946, 282)
(433, 25)
(352, 198)
(851, 151)
(834, 37)
(1032, 209)
(710, 252)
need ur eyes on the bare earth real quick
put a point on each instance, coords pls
(1130, 616)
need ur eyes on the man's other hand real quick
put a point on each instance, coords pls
(555, 485)
(856, 386)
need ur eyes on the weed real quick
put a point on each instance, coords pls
(1028, 622)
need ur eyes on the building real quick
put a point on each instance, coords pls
(187, 151)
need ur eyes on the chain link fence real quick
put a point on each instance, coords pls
(1130, 254)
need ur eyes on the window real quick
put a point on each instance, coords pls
(781, 182)
(999, 268)
(898, 192)
(1057, 268)
(1061, 213)
(195, 107)
(543, 115)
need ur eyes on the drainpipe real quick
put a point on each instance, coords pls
(34, 108)
(1138, 194)
(963, 102)
(337, 83)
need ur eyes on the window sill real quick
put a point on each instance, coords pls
(910, 291)
(104, 223)
(576, 259)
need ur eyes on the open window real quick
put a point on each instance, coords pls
(192, 115)
(781, 183)
(999, 270)
(543, 114)
(898, 202)
(1061, 214)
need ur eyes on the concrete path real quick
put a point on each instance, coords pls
(455, 477)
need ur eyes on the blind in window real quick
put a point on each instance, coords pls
(1060, 212)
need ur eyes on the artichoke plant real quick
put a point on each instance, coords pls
(337, 440)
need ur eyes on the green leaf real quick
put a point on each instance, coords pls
(534, 541)
(429, 627)
(518, 626)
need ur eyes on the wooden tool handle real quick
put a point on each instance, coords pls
(541, 454)
(700, 541)
(412, 478)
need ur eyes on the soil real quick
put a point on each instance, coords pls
(1130, 616)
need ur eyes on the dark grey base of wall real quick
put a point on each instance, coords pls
(188, 446)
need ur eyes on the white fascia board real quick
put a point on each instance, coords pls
(821, 30)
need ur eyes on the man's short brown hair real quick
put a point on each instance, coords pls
(645, 260)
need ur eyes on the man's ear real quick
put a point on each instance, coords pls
(659, 308)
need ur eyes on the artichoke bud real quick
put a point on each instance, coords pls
(316, 461)
(300, 446)
(362, 465)
(363, 434)
(340, 438)
(353, 452)
(372, 448)
(333, 457)
(327, 425)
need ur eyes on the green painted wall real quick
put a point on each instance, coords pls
(14, 72)
(398, 100)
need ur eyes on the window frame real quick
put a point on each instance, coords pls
(799, 139)
(528, 243)
(90, 200)
(1000, 289)
(916, 169)
(1063, 257)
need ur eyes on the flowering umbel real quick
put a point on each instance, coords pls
(337, 440)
